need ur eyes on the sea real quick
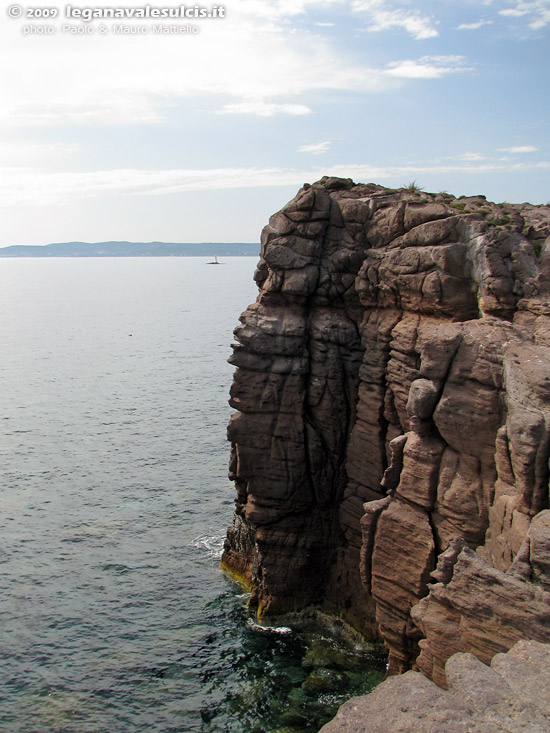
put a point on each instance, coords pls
(114, 503)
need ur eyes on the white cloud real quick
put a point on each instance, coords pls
(26, 186)
(260, 108)
(474, 26)
(19, 186)
(106, 79)
(520, 149)
(513, 12)
(18, 153)
(471, 156)
(281, 9)
(316, 148)
(427, 67)
(125, 80)
(140, 79)
(537, 11)
(383, 17)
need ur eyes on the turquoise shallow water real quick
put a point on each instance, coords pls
(114, 502)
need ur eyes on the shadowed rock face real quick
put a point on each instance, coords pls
(392, 389)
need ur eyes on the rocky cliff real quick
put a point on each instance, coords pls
(391, 438)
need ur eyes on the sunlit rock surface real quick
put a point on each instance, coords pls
(509, 696)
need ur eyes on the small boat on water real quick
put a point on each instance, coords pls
(215, 262)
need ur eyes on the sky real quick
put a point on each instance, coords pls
(197, 129)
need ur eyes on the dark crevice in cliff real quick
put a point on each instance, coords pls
(437, 549)
(383, 424)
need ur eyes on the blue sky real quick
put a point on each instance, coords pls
(201, 136)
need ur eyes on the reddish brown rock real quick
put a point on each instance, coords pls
(392, 390)
(478, 609)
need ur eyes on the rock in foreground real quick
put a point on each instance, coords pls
(510, 696)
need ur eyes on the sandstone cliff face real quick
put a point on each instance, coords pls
(391, 442)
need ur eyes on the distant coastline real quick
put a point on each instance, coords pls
(134, 249)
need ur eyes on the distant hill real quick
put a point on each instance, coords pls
(134, 249)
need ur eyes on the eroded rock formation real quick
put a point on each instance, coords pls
(391, 442)
(510, 696)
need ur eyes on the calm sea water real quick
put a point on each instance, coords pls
(114, 502)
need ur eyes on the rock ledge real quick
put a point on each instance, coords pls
(510, 696)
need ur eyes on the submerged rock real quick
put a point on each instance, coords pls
(325, 680)
(391, 438)
(324, 653)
